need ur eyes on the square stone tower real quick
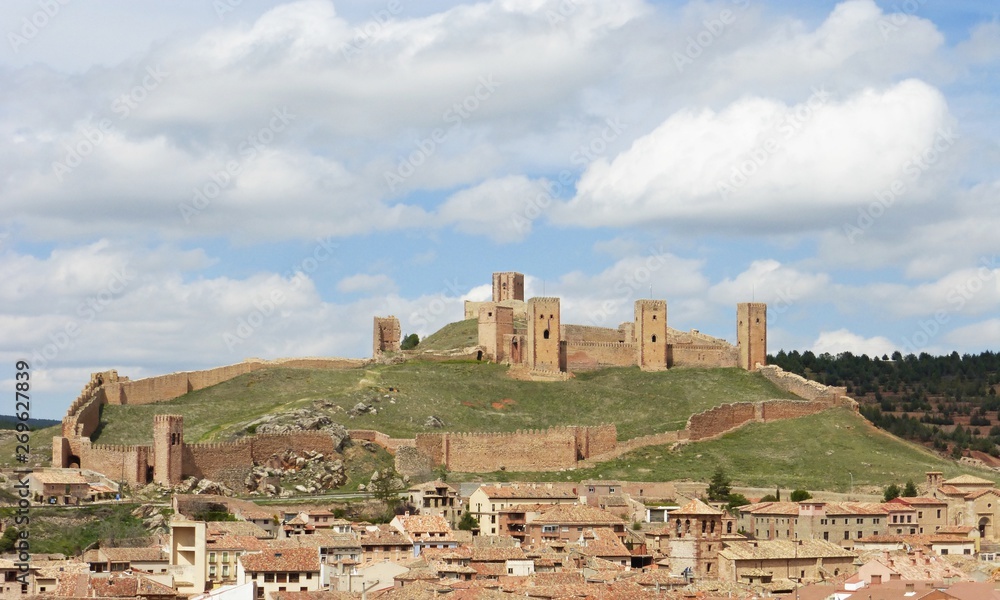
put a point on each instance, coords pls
(386, 336)
(168, 445)
(543, 351)
(495, 322)
(651, 334)
(751, 334)
(508, 286)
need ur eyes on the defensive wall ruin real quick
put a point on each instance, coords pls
(560, 448)
(169, 459)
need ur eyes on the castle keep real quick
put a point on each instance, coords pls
(532, 335)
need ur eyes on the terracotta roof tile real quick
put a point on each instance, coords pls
(577, 514)
(282, 559)
(525, 492)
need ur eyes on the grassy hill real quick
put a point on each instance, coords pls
(466, 396)
(818, 452)
(460, 334)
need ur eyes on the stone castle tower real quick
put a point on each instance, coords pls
(751, 334)
(495, 322)
(168, 440)
(651, 334)
(508, 286)
(544, 351)
(386, 336)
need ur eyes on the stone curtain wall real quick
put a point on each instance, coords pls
(586, 333)
(698, 355)
(168, 387)
(582, 356)
(714, 422)
(527, 450)
(804, 388)
(227, 463)
(121, 463)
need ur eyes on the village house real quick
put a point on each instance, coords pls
(116, 560)
(437, 498)
(384, 543)
(566, 522)
(279, 570)
(840, 522)
(61, 486)
(916, 566)
(487, 501)
(764, 561)
(426, 531)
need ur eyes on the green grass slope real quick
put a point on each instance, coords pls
(466, 396)
(453, 336)
(818, 452)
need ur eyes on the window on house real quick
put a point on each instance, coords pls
(268, 577)
(211, 557)
(211, 571)
(826, 535)
(847, 535)
(225, 570)
(293, 578)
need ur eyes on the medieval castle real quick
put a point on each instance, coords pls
(532, 335)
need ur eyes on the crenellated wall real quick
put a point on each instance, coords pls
(137, 464)
(523, 450)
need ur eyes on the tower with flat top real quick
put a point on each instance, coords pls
(751, 334)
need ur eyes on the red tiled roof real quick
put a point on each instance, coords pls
(282, 560)
(525, 492)
(577, 514)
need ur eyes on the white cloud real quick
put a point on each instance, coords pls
(842, 340)
(761, 163)
(501, 209)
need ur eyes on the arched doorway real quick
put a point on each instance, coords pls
(985, 528)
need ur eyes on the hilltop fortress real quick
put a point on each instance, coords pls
(528, 336)
(531, 335)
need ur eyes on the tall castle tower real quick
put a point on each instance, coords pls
(168, 440)
(386, 335)
(495, 322)
(508, 286)
(751, 334)
(544, 351)
(651, 334)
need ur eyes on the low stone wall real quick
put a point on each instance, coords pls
(802, 387)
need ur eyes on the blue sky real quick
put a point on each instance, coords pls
(191, 183)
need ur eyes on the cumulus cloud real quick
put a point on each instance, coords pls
(762, 163)
(501, 209)
(843, 340)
